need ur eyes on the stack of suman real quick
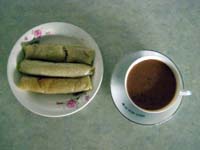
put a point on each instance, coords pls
(56, 69)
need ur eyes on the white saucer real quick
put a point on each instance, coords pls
(121, 99)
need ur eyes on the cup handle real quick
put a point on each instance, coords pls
(185, 93)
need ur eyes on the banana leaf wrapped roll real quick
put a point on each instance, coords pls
(59, 53)
(55, 85)
(50, 69)
(49, 52)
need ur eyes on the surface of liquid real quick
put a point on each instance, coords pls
(151, 84)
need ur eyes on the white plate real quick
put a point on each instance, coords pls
(61, 104)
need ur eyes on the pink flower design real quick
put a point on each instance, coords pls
(37, 33)
(87, 98)
(71, 103)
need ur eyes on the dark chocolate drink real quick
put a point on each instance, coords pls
(151, 84)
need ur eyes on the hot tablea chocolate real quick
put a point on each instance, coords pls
(151, 84)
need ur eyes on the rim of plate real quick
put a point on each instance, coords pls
(76, 110)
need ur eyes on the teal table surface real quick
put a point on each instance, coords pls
(119, 27)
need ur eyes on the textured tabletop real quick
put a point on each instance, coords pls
(119, 27)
